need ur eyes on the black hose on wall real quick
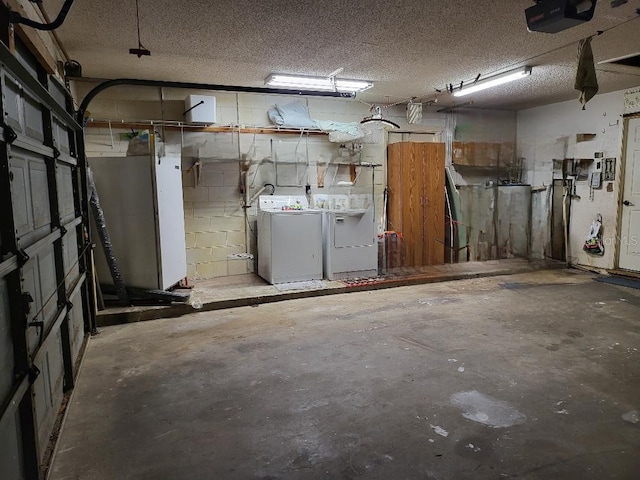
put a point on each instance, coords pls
(105, 238)
(199, 86)
(15, 17)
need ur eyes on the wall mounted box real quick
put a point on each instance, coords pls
(201, 109)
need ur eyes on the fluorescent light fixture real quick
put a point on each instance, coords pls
(317, 83)
(493, 81)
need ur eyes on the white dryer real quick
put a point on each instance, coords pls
(350, 240)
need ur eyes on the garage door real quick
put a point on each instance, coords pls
(45, 301)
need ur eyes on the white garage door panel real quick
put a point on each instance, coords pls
(65, 193)
(23, 112)
(10, 455)
(39, 193)
(39, 280)
(76, 325)
(70, 258)
(47, 271)
(30, 195)
(20, 196)
(47, 390)
(12, 104)
(33, 124)
(6, 346)
(61, 136)
(31, 285)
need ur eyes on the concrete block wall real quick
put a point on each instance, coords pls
(216, 223)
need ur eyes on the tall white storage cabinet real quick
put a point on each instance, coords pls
(142, 201)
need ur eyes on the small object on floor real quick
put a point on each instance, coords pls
(439, 430)
(632, 417)
(621, 281)
(194, 300)
(354, 282)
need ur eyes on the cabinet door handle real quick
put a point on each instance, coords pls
(627, 203)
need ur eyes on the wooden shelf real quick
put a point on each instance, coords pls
(212, 129)
(585, 137)
(483, 154)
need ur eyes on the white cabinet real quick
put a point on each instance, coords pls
(142, 201)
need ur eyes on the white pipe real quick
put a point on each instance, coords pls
(256, 195)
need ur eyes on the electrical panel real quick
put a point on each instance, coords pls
(609, 169)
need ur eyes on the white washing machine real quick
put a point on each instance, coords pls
(350, 247)
(289, 239)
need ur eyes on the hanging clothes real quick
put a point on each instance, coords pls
(586, 80)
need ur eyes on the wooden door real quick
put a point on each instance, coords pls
(416, 181)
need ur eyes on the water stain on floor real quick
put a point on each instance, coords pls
(487, 410)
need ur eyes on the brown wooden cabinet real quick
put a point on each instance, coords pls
(483, 154)
(416, 181)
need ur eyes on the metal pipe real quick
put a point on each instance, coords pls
(15, 17)
(256, 195)
(199, 86)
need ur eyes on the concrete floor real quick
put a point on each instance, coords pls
(249, 289)
(531, 376)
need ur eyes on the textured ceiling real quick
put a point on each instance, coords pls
(408, 48)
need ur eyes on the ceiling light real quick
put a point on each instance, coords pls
(317, 83)
(493, 81)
